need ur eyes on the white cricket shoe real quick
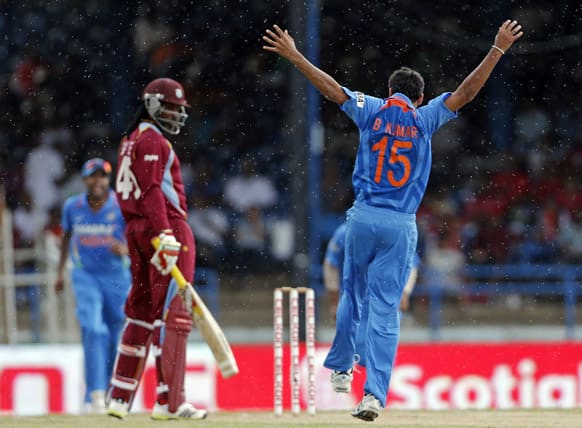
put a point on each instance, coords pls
(186, 411)
(87, 409)
(368, 409)
(98, 402)
(117, 408)
(342, 381)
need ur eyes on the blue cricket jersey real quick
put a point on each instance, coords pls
(93, 233)
(394, 155)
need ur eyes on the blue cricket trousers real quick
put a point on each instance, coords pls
(379, 252)
(100, 299)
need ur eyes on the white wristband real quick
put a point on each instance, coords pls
(499, 49)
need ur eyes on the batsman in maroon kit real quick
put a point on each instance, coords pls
(151, 195)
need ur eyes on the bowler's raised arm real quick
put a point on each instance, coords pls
(282, 43)
(508, 33)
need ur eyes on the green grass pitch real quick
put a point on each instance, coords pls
(390, 418)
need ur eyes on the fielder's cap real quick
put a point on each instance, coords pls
(94, 165)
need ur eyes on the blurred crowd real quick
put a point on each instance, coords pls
(505, 184)
(73, 77)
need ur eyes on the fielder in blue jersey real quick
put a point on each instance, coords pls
(94, 239)
(390, 177)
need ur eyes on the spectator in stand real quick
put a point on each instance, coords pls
(44, 168)
(29, 74)
(531, 122)
(250, 240)
(489, 241)
(444, 259)
(149, 31)
(533, 247)
(249, 194)
(94, 238)
(25, 219)
(570, 236)
(53, 236)
(250, 189)
(210, 225)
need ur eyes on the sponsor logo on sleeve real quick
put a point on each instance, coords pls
(360, 99)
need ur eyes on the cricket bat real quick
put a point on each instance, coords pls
(207, 325)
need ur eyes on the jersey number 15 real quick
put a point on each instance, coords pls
(395, 158)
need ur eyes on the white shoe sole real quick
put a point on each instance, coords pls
(162, 414)
(366, 415)
(117, 410)
(164, 417)
(368, 409)
(116, 414)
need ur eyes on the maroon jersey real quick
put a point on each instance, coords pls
(149, 181)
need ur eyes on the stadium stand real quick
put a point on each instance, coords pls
(505, 185)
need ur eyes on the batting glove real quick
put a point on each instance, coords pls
(166, 256)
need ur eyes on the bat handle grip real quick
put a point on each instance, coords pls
(175, 272)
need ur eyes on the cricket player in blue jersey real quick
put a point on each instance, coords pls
(390, 176)
(94, 238)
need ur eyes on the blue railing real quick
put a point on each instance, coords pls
(493, 280)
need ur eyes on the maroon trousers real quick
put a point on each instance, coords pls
(149, 287)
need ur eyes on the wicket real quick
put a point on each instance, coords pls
(295, 377)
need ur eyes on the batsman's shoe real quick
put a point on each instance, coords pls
(98, 402)
(117, 408)
(342, 381)
(368, 409)
(186, 411)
